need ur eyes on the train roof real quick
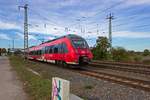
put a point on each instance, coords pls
(70, 36)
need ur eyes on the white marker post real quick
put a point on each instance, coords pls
(60, 89)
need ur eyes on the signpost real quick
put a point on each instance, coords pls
(60, 89)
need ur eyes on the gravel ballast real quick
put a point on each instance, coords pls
(87, 87)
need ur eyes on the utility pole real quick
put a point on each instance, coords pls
(66, 29)
(13, 43)
(80, 26)
(97, 30)
(25, 7)
(110, 17)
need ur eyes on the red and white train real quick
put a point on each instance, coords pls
(69, 49)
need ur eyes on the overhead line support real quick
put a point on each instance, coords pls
(110, 18)
(26, 49)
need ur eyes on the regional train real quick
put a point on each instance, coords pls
(69, 49)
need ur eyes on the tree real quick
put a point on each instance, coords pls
(100, 51)
(146, 52)
(120, 54)
(3, 50)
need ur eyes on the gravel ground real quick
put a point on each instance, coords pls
(90, 88)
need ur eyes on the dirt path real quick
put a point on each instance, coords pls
(10, 87)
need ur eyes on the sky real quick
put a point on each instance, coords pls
(48, 19)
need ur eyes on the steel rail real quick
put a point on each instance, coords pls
(121, 64)
(122, 68)
(134, 83)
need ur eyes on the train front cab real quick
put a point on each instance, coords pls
(81, 52)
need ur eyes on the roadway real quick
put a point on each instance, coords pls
(10, 86)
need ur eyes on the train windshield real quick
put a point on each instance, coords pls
(79, 43)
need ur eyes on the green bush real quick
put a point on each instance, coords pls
(100, 51)
(120, 54)
(137, 58)
(146, 52)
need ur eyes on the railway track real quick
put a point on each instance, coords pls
(128, 81)
(122, 64)
(145, 69)
(135, 83)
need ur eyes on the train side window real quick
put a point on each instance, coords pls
(37, 52)
(56, 49)
(65, 49)
(59, 48)
(50, 49)
(30, 53)
(40, 52)
(33, 52)
(46, 50)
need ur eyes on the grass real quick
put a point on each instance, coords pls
(37, 87)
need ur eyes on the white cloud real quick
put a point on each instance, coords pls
(48, 30)
(21, 36)
(128, 34)
(69, 2)
(8, 25)
(138, 2)
(68, 20)
(118, 34)
(4, 36)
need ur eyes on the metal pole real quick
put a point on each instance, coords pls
(13, 41)
(97, 30)
(110, 18)
(26, 50)
(26, 29)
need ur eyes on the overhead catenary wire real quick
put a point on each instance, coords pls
(127, 23)
(44, 18)
(112, 6)
(137, 27)
(104, 10)
(133, 15)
